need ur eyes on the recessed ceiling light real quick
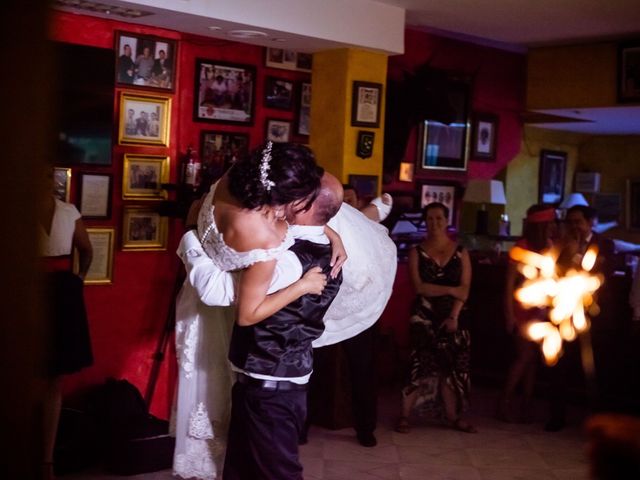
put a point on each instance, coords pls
(278, 40)
(214, 28)
(246, 34)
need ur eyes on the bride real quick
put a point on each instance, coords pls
(241, 228)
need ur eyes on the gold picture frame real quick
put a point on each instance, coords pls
(143, 176)
(143, 228)
(101, 269)
(62, 184)
(144, 120)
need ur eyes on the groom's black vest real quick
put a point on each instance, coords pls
(280, 345)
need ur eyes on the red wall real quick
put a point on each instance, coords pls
(499, 81)
(127, 318)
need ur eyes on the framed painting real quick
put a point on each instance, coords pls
(365, 104)
(143, 176)
(444, 194)
(94, 195)
(278, 93)
(278, 130)
(145, 61)
(101, 269)
(288, 59)
(224, 92)
(304, 110)
(143, 229)
(553, 167)
(484, 137)
(62, 184)
(144, 120)
(220, 150)
(629, 72)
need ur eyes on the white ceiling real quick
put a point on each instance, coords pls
(310, 25)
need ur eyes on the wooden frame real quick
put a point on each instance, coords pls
(101, 269)
(442, 193)
(143, 229)
(149, 62)
(366, 102)
(633, 204)
(224, 92)
(551, 178)
(484, 137)
(278, 130)
(278, 93)
(144, 120)
(143, 176)
(62, 184)
(304, 110)
(629, 72)
(288, 59)
(94, 195)
(219, 150)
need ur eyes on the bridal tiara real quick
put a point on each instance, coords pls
(265, 166)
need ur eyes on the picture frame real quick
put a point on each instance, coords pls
(144, 120)
(101, 270)
(219, 150)
(629, 72)
(94, 195)
(633, 204)
(145, 61)
(143, 176)
(364, 145)
(484, 137)
(443, 144)
(442, 193)
(304, 110)
(551, 179)
(143, 228)
(278, 93)
(365, 104)
(62, 184)
(278, 130)
(365, 185)
(224, 92)
(288, 59)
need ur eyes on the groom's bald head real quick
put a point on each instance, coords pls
(326, 204)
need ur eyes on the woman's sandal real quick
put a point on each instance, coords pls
(403, 425)
(463, 426)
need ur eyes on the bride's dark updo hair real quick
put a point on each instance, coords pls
(292, 175)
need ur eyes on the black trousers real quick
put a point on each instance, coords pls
(263, 434)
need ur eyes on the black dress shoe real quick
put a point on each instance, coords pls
(554, 425)
(367, 439)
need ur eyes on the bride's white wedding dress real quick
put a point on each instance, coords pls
(203, 395)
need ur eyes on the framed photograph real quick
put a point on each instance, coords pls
(304, 110)
(62, 184)
(445, 194)
(405, 173)
(608, 206)
(94, 195)
(484, 137)
(278, 93)
(101, 269)
(629, 72)
(143, 176)
(224, 92)
(633, 204)
(219, 150)
(364, 147)
(288, 59)
(553, 167)
(145, 61)
(365, 185)
(278, 130)
(365, 104)
(144, 120)
(143, 229)
(443, 143)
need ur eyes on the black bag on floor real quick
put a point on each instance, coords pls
(134, 441)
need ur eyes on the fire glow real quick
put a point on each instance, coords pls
(568, 298)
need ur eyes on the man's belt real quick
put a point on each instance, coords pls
(271, 385)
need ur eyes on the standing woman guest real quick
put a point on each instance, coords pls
(439, 379)
(539, 229)
(62, 230)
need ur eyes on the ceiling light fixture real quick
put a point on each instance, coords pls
(278, 40)
(246, 34)
(214, 28)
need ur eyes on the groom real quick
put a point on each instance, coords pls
(273, 359)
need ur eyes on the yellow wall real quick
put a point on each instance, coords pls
(572, 76)
(333, 139)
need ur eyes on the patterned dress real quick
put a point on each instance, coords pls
(438, 355)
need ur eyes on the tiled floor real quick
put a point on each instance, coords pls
(500, 451)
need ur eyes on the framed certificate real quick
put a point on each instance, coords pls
(94, 195)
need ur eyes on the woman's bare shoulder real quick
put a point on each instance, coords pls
(247, 230)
